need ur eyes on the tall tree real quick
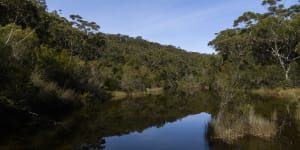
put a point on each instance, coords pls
(274, 35)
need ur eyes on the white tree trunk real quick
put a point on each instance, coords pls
(287, 71)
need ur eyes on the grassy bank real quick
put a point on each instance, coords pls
(118, 95)
(290, 94)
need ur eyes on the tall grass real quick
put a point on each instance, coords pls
(233, 127)
(290, 94)
(261, 127)
(297, 117)
(297, 112)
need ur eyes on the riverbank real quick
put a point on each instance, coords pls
(118, 95)
(289, 93)
(260, 113)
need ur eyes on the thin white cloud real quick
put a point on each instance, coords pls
(176, 21)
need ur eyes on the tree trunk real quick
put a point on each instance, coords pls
(287, 71)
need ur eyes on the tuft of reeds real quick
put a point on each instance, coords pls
(261, 127)
(232, 127)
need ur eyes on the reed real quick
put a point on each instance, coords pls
(232, 127)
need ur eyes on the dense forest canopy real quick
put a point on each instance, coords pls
(51, 63)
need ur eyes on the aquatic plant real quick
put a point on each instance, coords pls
(235, 125)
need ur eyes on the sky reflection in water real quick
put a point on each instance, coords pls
(188, 132)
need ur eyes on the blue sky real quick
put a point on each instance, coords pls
(189, 24)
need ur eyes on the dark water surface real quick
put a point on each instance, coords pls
(186, 133)
(158, 122)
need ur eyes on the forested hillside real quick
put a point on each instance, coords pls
(50, 63)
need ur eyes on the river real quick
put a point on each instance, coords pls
(167, 122)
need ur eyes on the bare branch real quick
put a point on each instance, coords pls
(25, 37)
(10, 34)
(11, 31)
(294, 59)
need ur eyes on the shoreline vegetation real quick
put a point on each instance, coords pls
(259, 51)
(286, 93)
(119, 95)
(292, 94)
(231, 127)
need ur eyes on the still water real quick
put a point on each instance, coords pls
(185, 133)
(166, 122)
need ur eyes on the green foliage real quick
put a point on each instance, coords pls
(47, 61)
(260, 44)
(21, 41)
(83, 25)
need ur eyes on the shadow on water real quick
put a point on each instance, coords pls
(169, 122)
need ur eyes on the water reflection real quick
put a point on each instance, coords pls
(166, 122)
(87, 128)
(189, 132)
(254, 122)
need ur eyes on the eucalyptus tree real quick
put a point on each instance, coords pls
(83, 25)
(268, 37)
